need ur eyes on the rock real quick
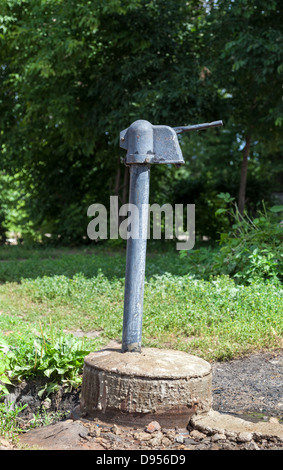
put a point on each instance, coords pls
(171, 435)
(257, 436)
(245, 437)
(179, 438)
(218, 437)
(274, 420)
(4, 444)
(60, 436)
(189, 441)
(115, 429)
(232, 436)
(27, 400)
(165, 441)
(95, 432)
(47, 404)
(252, 446)
(10, 400)
(155, 441)
(152, 427)
(142, 436)
(195, 434)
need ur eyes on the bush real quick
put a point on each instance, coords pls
(252, 250)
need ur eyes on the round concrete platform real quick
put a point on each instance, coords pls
(164, 385)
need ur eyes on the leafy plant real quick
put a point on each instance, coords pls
(262, 265)
(9, 419)
(253, 248)
(4, 367)
(44, 417)
(58, 358)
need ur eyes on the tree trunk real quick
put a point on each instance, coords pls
(244, 172)
(125, 191)
(125, 186)
(117, 179)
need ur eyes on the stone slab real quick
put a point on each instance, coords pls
(219, 423)
(65, 435)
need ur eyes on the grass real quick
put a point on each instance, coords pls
(46, 295)
(84, 290)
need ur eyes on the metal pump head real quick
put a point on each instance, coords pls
(147, 144)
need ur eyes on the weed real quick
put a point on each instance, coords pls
(58, 357)
(4, 367)
(9, 421)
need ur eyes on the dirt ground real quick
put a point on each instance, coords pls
(250, 388)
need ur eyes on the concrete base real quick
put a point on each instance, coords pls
(136, 388)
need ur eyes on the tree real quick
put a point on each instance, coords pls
(75, 75)
(245, 55)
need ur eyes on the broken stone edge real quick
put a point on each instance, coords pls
(225, 426)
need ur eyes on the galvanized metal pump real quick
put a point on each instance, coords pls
(146, 144)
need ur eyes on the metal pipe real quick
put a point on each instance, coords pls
(136, 259)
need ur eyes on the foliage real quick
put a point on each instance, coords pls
(74, 75)
(245, 60)
(252, 250)
(58, 358)
(4, 366)
(248, 36)
(211, 161)
(9, 424)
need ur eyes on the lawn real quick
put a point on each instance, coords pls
(69, 290)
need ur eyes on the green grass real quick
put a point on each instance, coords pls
(14, 266)
(84, 289)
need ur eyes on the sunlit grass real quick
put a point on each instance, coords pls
(215, 319)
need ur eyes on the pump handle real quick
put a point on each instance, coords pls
(197, 127)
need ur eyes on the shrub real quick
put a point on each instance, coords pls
(252, 250)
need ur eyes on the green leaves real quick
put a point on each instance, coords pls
(252, 250)
(250, 44)
(276, 209)
(4, 368)
(58, 358)
(74, 74)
